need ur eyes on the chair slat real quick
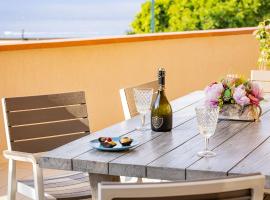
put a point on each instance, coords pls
(45, 144)
(47, 115)
(44, 101)
(260, 75)
(69, 188)
(266, 197)
(48, 129)
(72, 186)
(74, 195)
(61, 182)
(265, 85)
(232, 195)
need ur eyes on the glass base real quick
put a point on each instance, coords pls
(206, 154)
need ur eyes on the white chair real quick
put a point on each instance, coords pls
(37, 124)
(127, 98)
(238, 188)
(262, 77)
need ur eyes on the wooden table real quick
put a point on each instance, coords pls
(241, 147)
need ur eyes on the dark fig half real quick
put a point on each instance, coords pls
(108, 144)
(126, 141)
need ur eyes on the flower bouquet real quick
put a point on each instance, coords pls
(237, 98)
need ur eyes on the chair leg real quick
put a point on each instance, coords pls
(38, 180)
(139, 180)
(12, 182)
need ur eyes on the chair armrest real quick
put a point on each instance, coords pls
(21, 156)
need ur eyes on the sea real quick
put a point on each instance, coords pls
(34, 19)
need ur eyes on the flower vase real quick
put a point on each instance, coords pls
(237, 112)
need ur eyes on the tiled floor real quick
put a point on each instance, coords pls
(24, 171)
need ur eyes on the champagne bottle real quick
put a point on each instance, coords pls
(161, 112)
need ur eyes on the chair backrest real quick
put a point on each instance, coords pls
(262, 77)
(248, 187)
(41, 123)
(127, 98)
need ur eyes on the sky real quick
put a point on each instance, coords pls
(66, 18)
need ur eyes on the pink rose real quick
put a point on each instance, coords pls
(256, 90)
(254, 100)
(213, 93)
(240, 96)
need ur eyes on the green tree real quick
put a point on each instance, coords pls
(183, 15)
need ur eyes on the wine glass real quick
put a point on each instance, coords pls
(143, 100)
(207, 118)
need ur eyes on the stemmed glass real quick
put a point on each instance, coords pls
(143, 100)
(207, 118)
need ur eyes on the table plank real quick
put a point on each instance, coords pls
(172, 165)
(257, 161)
(97, 162)
(60, 158)
(232, 151)
(187, 100)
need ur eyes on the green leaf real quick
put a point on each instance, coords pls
(182, 15)
(227, 95)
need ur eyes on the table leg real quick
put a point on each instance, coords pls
(97, 178)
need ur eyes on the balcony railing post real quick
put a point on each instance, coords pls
(153, 16)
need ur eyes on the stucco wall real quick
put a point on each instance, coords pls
(101, 70)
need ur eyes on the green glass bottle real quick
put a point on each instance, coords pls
(161, 112)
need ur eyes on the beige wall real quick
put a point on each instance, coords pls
(101, 70)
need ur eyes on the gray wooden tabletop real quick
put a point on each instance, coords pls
(241, 147)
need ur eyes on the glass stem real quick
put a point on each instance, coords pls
(143, 120)
(206, 144)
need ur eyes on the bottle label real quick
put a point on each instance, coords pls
(157, 122)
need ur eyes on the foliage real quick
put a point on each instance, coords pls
(263, 36)
(183, 15)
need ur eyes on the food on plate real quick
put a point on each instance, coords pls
(125, 141)
(107, 142)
